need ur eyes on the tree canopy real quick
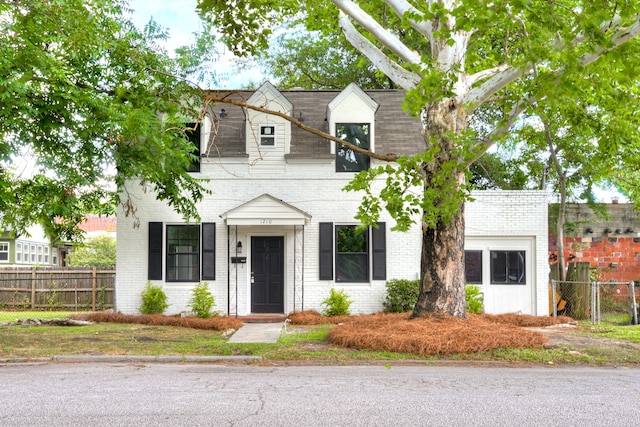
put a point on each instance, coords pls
(471, 70)
(92, 102)
(98, 251)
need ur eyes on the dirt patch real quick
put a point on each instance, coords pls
(571, 335)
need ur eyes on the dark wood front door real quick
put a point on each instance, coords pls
(267, 274)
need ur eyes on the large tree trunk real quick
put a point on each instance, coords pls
(442, 288)
(442, 284)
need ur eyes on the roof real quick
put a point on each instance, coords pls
(396, 132)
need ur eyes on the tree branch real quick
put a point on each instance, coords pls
(403, 78)
(484, 74)
(390, 157)
(479, 95)
(485, 143)
(384, 36)
(401, 7)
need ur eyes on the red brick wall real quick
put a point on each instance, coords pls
(601, 252)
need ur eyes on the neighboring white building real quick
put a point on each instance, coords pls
(34, 248)
(278, 232)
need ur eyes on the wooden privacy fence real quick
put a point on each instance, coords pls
(56, 288)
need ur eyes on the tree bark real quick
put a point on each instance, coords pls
(442, 284)
(442, 288)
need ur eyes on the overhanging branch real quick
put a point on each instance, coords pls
(390, 157)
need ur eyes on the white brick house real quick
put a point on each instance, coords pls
(278, 231)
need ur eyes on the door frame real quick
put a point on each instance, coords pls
(250, 237)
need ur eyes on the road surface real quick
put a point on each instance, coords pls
(104, 394)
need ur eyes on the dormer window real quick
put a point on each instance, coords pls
(357, 134)
(267, 135)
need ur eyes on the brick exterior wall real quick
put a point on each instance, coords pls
(506, 220)
(610, 245)
(306, 179)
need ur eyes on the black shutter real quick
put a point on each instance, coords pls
(326, 251)
(208, 251)
(155, 251)
(379, 248)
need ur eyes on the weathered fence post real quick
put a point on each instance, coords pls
(94, 283)
(578, 294)
(33, 288)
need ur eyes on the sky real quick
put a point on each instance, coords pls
(179, 17)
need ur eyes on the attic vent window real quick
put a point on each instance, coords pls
(267, 135)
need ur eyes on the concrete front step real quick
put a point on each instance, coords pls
(263, 318)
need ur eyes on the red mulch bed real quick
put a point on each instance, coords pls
(432, 334)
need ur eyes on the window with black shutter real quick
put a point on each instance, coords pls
(355, 252)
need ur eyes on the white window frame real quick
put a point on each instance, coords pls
(18, 252)
(34, 254)
(5, 248)
(25, 253)
(54, 256)
(46, 255)
(266, 136)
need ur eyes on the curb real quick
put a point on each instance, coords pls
(136, 359)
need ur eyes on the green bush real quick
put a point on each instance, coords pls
(202, 301)
(337, 304)
(154, 300)
(402, 295)
(475, 303)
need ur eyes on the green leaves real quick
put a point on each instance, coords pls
(99, 251)
(84, 95)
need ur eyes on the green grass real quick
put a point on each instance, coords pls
(299, 344)
(611, 330)
(12, 316)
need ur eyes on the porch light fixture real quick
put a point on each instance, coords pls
(300, 118)
(588, 230)
(239, 247)
(223, 113)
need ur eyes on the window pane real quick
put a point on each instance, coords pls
(346, 159)
(350, 239)
(508, 267)
(194, 139)
(352, 254)
(473, 266)
(183, 253)
(267, 136)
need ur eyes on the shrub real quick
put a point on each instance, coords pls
(202, 301)
(474, 298)
(402, 295)
(154, 300)
(337, 304)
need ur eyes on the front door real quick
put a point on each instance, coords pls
(267, 274)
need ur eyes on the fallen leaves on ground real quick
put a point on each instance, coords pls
(432, 334)
(218, 323)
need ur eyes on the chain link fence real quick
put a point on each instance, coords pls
(41, 292)
(610, 302)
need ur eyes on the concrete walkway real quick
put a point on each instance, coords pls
(257, 332)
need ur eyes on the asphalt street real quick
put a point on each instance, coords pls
(139, 394)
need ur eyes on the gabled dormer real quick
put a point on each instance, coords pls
(268, 136)
(351, 117)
